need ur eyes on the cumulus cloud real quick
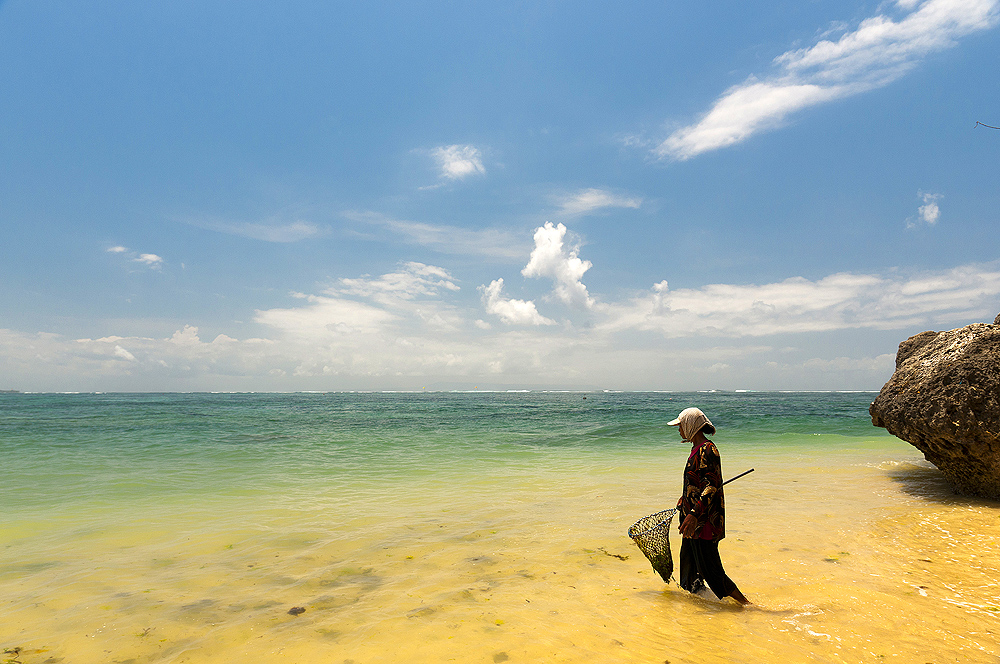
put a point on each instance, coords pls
(512, 312)
(117, 250)
(458, 162)
(798, 305)
(551, 258)
(929, 212)
(488, 242)
(877, 52)
(590, 200)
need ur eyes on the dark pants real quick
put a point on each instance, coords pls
(700, 564)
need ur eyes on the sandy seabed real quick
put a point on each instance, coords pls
(853, 556)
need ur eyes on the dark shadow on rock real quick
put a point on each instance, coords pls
(929, 483)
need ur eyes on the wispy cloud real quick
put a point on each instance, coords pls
(365, 309)
(590, 200)
(798, 305)
(152, 261)
(449, 239)
(322, 320)
(413, 322)
(271, 230)
(551, 258)
(458, 162)
(877, 52)
(413, 280)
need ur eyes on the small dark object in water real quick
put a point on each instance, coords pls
(296, 610)
(613, 555)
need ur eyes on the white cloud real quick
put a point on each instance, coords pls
(325, 318)
(415, 279)
(878, 52)
(152, 260)
(550, 258)
(399, 301)
(929, 212)
(404, 327)
(513, 312)
(124, 354)
(743, 111)
(414, 324)
(797, 305)
(589, 200)
(459, 161)
(448, 239)
(188, 336)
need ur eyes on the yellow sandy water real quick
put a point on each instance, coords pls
(848, 557)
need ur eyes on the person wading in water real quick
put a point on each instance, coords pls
(702, 510)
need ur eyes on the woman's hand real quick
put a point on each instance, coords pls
(688, 526)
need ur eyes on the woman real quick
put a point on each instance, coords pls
(703, 510)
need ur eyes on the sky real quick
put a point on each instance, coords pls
(202, 196)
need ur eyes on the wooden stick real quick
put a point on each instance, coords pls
(745, 472)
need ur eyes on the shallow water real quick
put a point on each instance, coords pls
(473, 527)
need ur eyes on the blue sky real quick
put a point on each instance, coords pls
(327, 196)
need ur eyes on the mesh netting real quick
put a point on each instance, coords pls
(652, 534)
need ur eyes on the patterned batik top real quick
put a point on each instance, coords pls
(703, 495)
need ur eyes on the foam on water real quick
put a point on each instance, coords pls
(473, 527)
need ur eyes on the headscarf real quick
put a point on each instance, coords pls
(691, 421)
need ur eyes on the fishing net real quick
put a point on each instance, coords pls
(652, 534)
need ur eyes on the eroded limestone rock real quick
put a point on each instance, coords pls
(944, 399)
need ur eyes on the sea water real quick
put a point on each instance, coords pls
(473, 527)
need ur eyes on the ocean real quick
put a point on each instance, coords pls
(349, 528)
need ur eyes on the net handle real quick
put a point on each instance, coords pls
(671, 512)
(733, 479)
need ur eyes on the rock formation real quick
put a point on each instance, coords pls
(944, 399)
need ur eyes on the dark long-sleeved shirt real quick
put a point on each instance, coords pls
(702, 494)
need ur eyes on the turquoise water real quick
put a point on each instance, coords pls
(61, 449)
(356, 453)
(472, 527)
